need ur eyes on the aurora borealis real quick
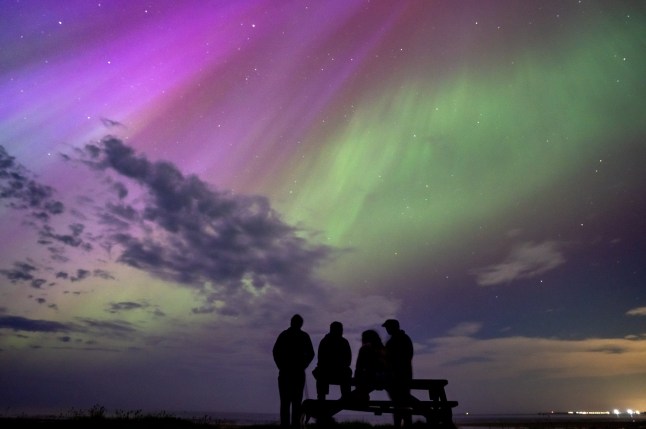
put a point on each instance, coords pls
(179, 178)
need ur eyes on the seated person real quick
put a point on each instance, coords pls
(334, 360)
(370, 369)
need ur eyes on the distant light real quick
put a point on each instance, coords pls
(616, 411)
(629, 411)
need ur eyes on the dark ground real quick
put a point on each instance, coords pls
(170, 422)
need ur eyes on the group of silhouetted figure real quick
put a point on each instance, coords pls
(388, 367)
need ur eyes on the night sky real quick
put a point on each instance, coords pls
(177, 179)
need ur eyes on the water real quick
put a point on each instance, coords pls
(492, 421)
(548, 420)
(463, 421)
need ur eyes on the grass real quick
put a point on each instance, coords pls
(98, 417)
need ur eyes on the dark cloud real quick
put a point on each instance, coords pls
(609, 349)
(81, 274)
(103, 274)
(150, 216)
(158, 313)
(22, 271)
(56, 253)
(21, 191)
(18, 323)
(121, 189)
(187, 232)
(74, 239)
(111, 123)
(38, 283)
(119, 307)
(114, 328)
(116, 307)
(468, 360)
(204, 309)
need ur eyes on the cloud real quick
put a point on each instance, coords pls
(103, 274)
(525, 356)
(108, 328)
(38, 283)
(20, 190)
(81, 274)
(18, 323)
(609, 349)
(525, 261)
(467, 360)
(180, 229)
(115, 307)
(465, 329)
(74, 239)
(639, 311)
(23, 192)
(535, 373)
(22, 271)
(243, 262)
(109, 123)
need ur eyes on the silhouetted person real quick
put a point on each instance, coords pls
(369, 372)
(293, 353)
(399, 361)
(334, 360)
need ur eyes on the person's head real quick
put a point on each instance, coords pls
(297, 321)
(391, 325)
(336, 328)
(371, 337)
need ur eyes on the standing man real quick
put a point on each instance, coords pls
(399, 361)
(293, 352)
(334, 360)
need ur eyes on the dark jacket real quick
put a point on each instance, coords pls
(334, 353)
(370, 368)
(293, 350)
(399, 356)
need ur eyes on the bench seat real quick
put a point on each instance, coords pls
(437, 410)
(417, 407)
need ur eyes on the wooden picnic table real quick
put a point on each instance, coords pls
(437, 410)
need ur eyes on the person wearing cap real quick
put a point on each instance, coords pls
(293, 352)
(399, 361)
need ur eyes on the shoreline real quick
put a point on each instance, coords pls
(528, 421)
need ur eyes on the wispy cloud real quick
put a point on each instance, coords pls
(24, 192)
(18, 323)
(109, 328)
(518, 356)
(21, 271)
(534, 373)
(524, 261)
(20, 190)
(116, 307)
(639, 311)
(465, 329)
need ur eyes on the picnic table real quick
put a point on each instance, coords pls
(437, 410)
